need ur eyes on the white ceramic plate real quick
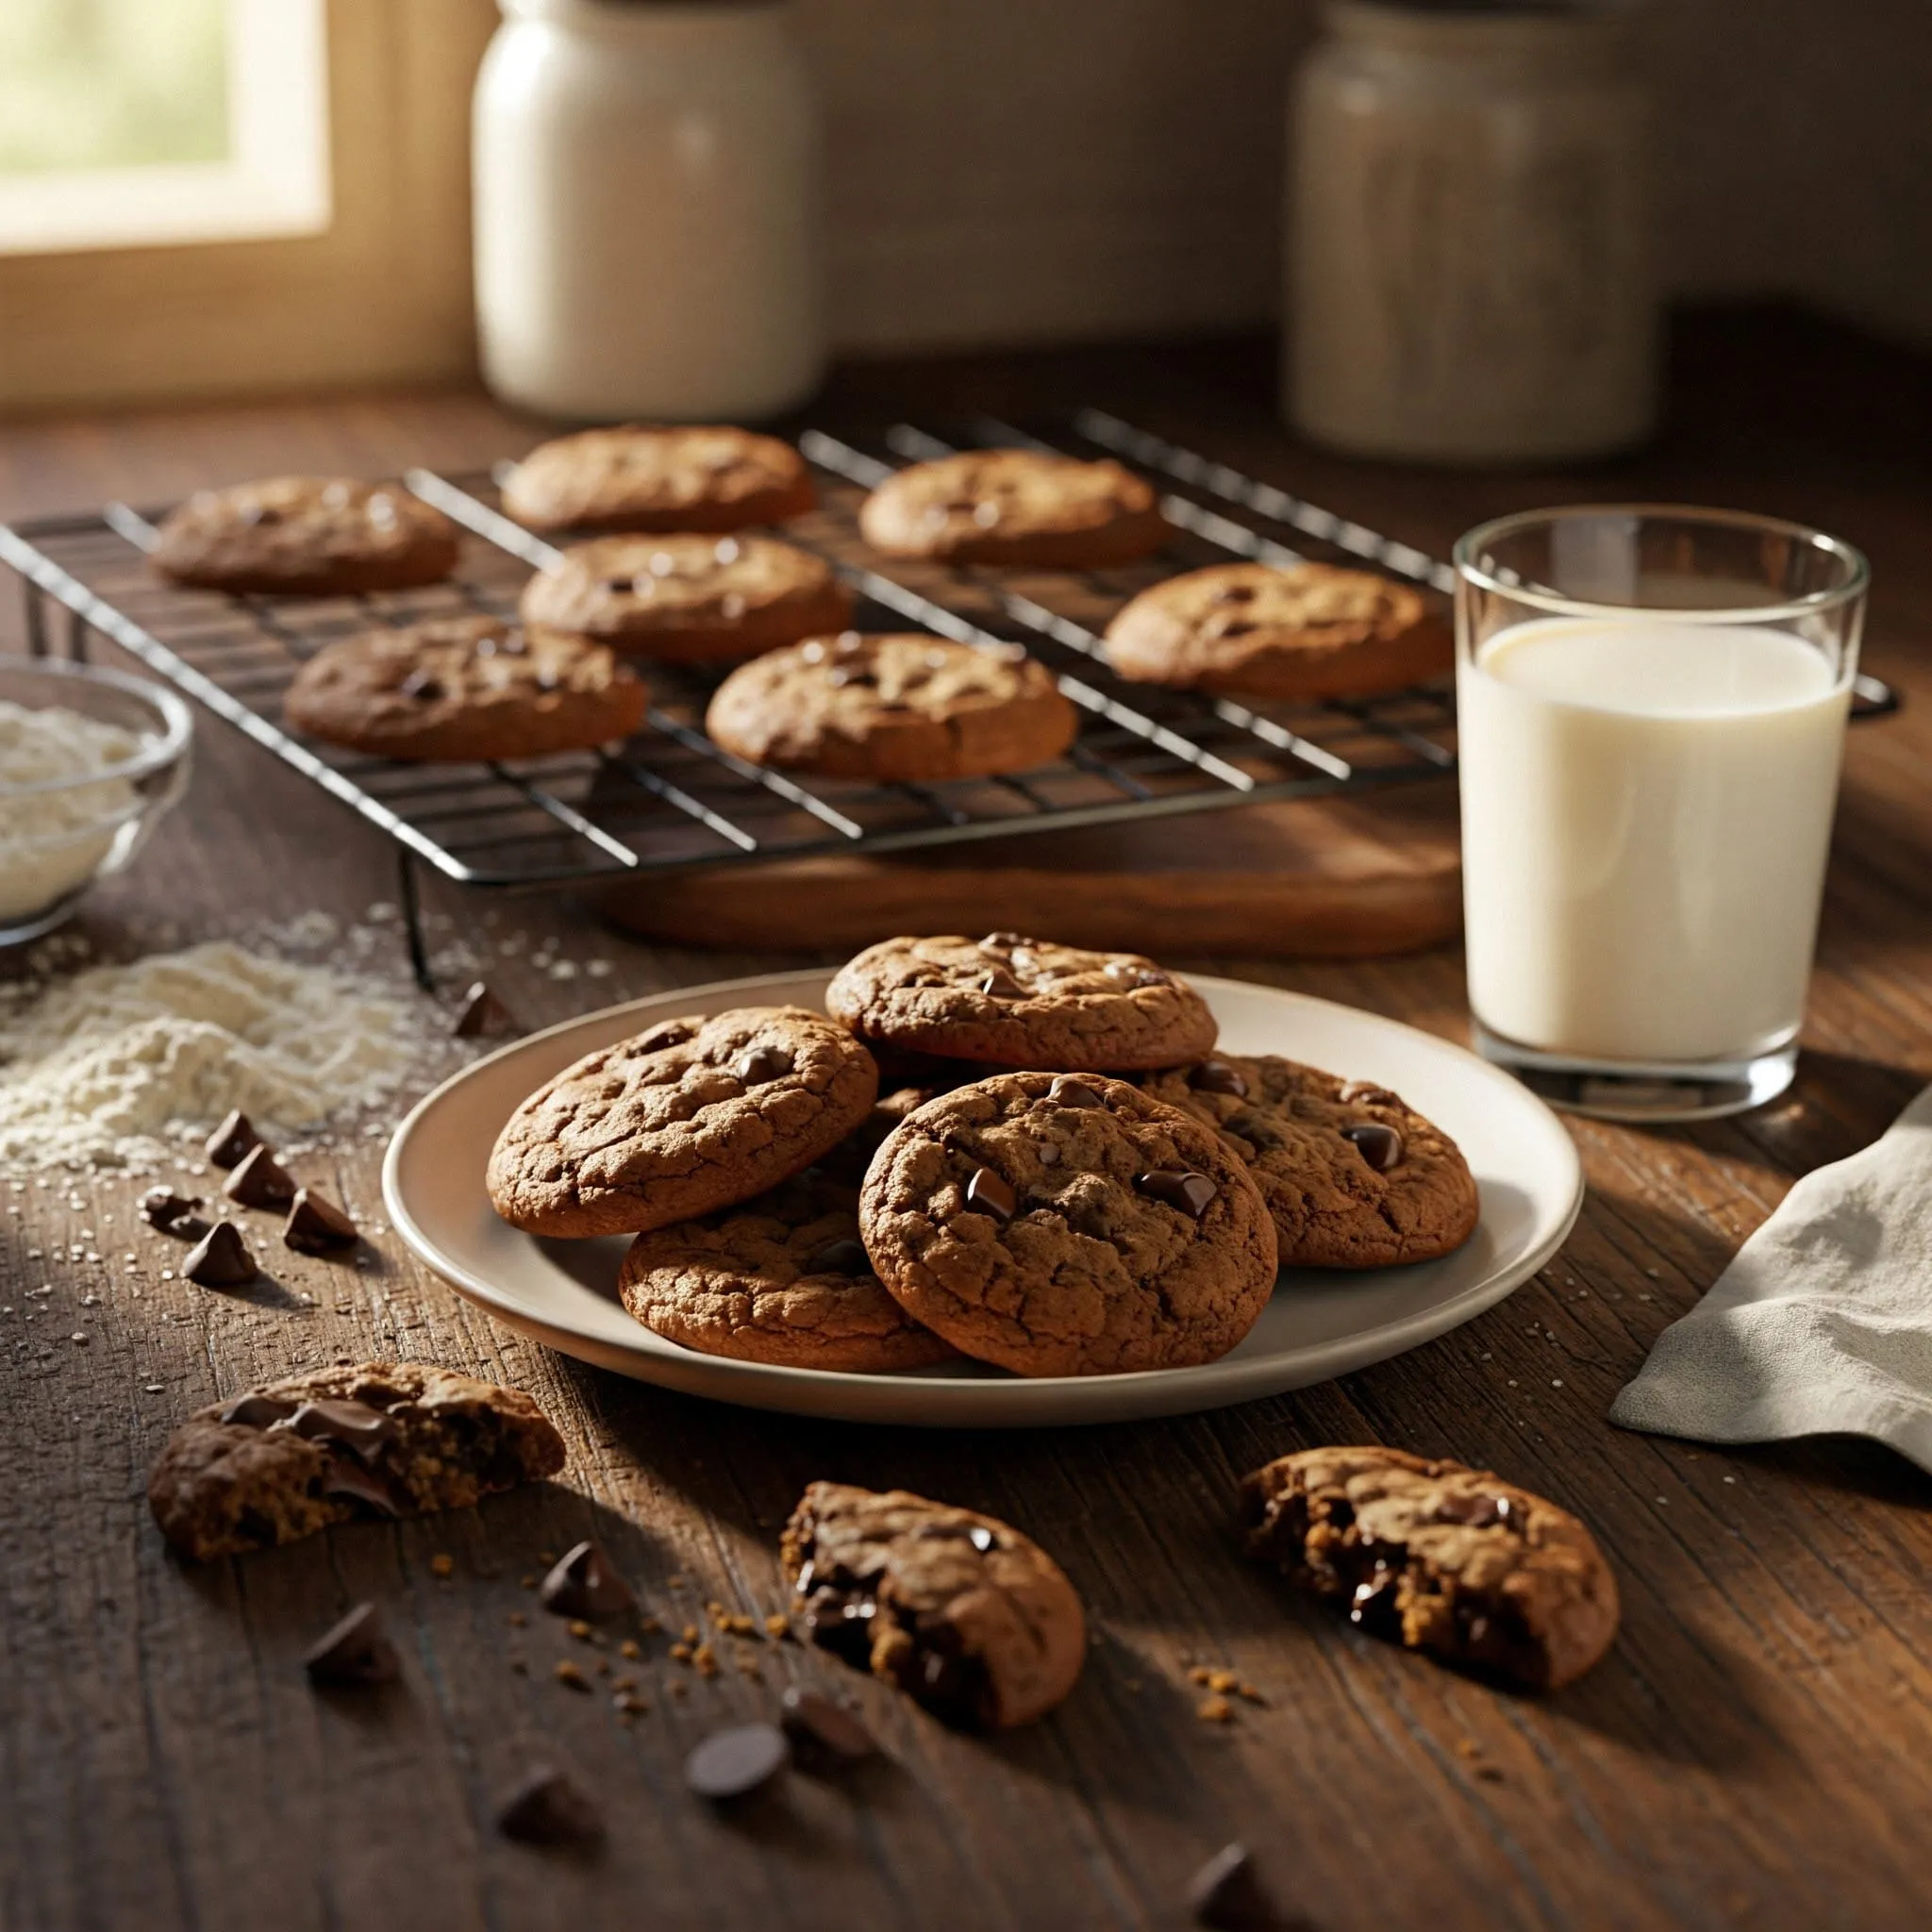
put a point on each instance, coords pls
(1319, 1324)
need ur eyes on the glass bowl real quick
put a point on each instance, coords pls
(59, 835)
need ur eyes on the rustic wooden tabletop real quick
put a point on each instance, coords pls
(1756, 1751)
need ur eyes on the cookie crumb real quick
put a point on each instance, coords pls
(568, 1675)
(777, 1626)
(443, 1565)
(705, 1660)
(1214, 1710)
(680, 1653)
(631, 1649)
(518, 1620)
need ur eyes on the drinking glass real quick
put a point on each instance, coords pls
(1652, 705)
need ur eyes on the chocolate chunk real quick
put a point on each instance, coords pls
(981, 1537)
(162, 1208)
(1067, 1092)
(369, 1487)
(1478, 1512)
(352, 1653)
(220, 1258)
(730, 1763)
(1002, 941)
(584, 1582)
(1132, 973)
(999, 984)
(421, 685)
(260, 1181)
(620, 587)
(820, 1728)
(235, 1138)
(257, 1410)
(760, 1064)
(1179, 1188)
(545, 1807)
(259, 513)
(1380, 1147)
(316, 1224)
(666, 1033)
(1227, 1892)
(988, 1192)
(483, 1015)
(841, 1258)
(1217, 1076)
(352, 1425)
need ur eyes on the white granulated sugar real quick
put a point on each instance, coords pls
(105, 1068)
(52, 842)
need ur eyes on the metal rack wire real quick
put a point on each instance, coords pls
(670, 797)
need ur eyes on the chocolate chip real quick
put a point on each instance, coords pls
(1179, 1188)
(999, 984)
(840, 1258)
(1379, 1145)
(1002, 941)
(232, 1141)
(316, 1224)
(421, 685)
(988, 1192)
(369, 1487)
(1359, 1093)
(763, 1063)
(1227, 1892)
(730, 1763)
(162, 1208)
(1476, 1512)
(259, 513)
(817, 1727)
(257, 1410)
(1217, 1076)
(483, 1015)
(545, 1807)
(354, 1653)
(618, 586)
(981, 1537)
(584, 1583)
(220, 1258)
(1067, 1092)
(1137, 973)
(665, 1033)
(352, 1425)
(1235, 593)
(260, 1181)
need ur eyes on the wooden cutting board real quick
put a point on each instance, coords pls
(1310, 878)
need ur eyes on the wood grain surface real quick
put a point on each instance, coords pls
(1756, 1752)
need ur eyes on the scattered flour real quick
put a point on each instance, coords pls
(104, 1068)
(52, 842)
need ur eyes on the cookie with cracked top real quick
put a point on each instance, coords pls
(1353, 1177)
(1446, 1559)
(893, 708)
(455, 689)
(1015, 507)
(693, 476)
(960, 1611)
(306, 537)
(782, 1279)
(1309, 631)
(1067, 1225)
(684, 599)
(686, 1117)
(1020, 1002)
(380, 1439)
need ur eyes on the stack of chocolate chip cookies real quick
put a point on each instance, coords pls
(1003, 1148)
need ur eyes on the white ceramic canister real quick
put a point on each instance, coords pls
(1469, 255)
(646, 205)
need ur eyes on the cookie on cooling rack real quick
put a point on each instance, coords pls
(1015, 507)
(686, 599)
(894, 708)
(1309, 631)
(306, 537)
(691, 478)
(456, 688)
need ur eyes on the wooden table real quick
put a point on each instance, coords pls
(1757, 1751)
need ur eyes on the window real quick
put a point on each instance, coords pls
(131, 123)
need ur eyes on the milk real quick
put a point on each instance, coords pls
(1646, 808)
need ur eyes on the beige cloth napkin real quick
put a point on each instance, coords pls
(1822, 1323)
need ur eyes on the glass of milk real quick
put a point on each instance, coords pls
(1652, 705)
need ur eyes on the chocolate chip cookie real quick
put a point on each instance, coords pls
(1311, 631)
(963, 1613)
(894, 708)
(684, 599)
(1015, 507)
(686, 1117)
(782, 1279)
(1353, 1177)
(637, 478)
(1445, 1559)
(1019, 1001)
(381, 1439)
(306, 537)
(1066, 1224)
(462, 688)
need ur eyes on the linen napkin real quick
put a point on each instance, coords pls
(1822, 1323)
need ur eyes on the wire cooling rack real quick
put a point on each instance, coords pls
(670, 797)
